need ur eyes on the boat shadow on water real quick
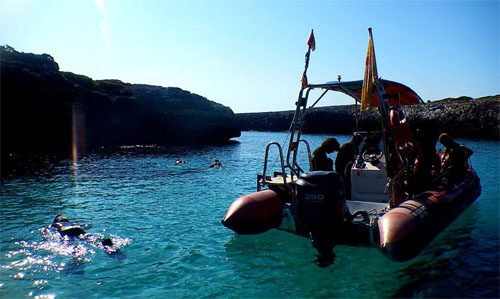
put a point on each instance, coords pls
(451, 268)
(448, 268)
(267, 250)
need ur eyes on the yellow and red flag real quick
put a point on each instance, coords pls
(304, 80)
(371, 75)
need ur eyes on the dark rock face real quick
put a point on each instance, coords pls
(462, 117)
(45, 110)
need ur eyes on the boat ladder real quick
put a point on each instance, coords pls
(280, 177)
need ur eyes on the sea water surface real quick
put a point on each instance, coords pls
(169, 242)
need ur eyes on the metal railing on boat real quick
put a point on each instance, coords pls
(281, 177)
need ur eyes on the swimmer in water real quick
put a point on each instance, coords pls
(178, 161)
(66, 228)
(216, 164)
(70, 229)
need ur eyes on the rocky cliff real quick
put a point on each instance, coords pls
(45, 110)
(461, 117)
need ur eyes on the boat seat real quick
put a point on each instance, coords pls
(278, 180)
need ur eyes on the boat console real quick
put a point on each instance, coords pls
(368, 171)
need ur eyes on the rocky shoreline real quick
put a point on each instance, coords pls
(44, 110)
(461, 117)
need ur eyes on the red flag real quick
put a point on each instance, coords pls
(311, 42)
(312, 46)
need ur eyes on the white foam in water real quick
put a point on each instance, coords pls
(168, 241)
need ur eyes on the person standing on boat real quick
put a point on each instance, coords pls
(427, 163)
(320, 160)
(454, 160)
(345, 157)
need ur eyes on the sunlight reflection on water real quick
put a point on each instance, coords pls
(165, 221)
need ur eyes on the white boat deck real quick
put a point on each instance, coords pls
(356, 205)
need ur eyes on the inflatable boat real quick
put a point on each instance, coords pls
(385, 206)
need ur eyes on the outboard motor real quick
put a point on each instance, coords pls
(322, 209)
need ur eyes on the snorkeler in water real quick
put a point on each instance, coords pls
(178, 161)
(66, 228)
(70, 229)
(216, 164)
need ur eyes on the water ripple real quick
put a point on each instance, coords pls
(165, 223)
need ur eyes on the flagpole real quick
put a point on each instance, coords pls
(300, 106)
(311, 43)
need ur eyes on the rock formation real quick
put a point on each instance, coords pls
(462, 117)
(44, 110)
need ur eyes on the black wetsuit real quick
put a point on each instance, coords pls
(344, 157)
(425, 162)
(320, 160)
(457, 163)
(66, 228)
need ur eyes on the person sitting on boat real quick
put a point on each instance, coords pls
(345, 157)
(454, 161)
(320, 160)
(216, 164)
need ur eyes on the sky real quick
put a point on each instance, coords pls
(249, 55)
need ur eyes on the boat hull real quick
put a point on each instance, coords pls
(255, 213)
(404, 231)
(400, 233)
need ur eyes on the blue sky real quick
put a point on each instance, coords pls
(249, 55)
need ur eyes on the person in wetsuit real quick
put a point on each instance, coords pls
(319, 159)
(66, 228)
(455, 163)
(178, 161)
(70, 229)
(427, 162)
(345, 157)
(216, 164)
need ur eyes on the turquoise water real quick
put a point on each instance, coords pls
(165, 221)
